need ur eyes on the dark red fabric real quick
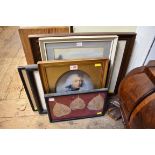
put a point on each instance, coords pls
(66, 100)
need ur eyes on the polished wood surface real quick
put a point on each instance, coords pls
(136, 94)
(32, 51)
(144, 114)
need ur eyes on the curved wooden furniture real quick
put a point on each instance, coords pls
(137, 97)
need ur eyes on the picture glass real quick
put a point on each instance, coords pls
(76, 106)
(78, 53)
(77, 50)
(74, 81)
(56, 75)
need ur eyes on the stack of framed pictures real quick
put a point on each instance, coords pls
(67, 89)
(74, 76)
(74, 88)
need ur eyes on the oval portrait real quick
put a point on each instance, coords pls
(75, 80)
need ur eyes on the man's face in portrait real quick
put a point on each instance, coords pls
(76, 81)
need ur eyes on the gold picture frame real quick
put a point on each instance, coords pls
(52, 71)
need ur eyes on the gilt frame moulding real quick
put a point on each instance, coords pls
(59, 68)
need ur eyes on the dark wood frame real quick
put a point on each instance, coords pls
(20, 68)
(128, 36)
(31, 53)
(47, 96)
(29, 70)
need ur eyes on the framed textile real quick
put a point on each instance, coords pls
(84, 74)
(76, 105)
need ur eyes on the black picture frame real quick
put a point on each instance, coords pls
(51, 95)
(20, 69)
(29, 70)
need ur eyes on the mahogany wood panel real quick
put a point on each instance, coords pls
(144, 114)
(137, 97)
(32, 55)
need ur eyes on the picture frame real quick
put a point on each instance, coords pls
(31, 47)
(79, 105)
(36, 85)
(29, 92)
(79, 47)
(52, 71)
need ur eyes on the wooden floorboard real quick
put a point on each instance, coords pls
(15, 110)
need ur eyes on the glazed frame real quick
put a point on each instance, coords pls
(100, 66)
(51, 95)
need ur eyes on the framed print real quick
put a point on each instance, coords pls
(79, 47)
(76, 105)
(85, 74)
(28, 89)
(36, 85)
(72, 53)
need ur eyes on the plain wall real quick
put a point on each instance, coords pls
(144, 39)
(104, 29)
(151, 55)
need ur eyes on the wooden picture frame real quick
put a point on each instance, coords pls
(31, 50)
(78, 105)
(51, 71)
(36, 85)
